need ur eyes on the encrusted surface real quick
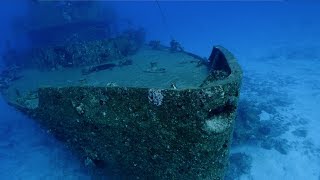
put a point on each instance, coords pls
(146, 133)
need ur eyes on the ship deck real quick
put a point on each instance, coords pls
(147, 68)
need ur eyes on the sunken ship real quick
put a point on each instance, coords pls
(128, 109)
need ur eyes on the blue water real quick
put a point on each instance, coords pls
(278, 46)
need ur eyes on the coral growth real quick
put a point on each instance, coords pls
(175, 46)
(155, 96)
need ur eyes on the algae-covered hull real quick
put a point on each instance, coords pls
(132, 132)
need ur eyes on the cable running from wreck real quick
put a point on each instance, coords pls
(164, 20)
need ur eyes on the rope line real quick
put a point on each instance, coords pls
(164, 20)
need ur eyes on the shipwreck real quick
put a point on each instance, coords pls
(128, 109)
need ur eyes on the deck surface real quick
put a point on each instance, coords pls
(180, 69)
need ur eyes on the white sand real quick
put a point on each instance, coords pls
(299, 81)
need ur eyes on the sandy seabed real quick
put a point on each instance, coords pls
(281, 87)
